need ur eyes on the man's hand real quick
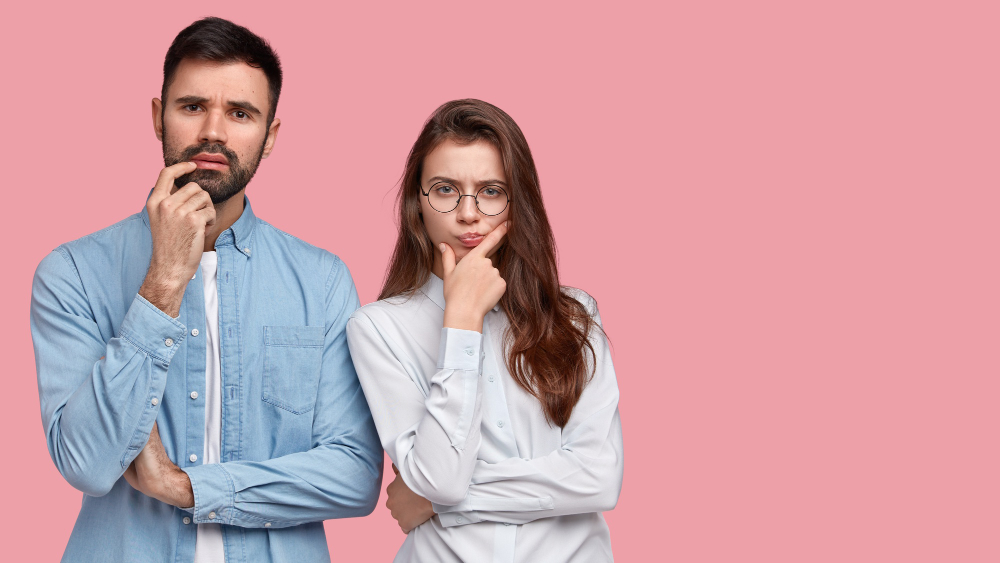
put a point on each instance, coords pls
(154, 475)
(178, 222)
(407, 507)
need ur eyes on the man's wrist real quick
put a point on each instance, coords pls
(180, 493)
(163, 293)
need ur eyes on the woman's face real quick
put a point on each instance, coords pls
(452, 169)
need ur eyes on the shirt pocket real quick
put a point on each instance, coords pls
(293, 357)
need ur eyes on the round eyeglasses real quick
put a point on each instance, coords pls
(444, 198)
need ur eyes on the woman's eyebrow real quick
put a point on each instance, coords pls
(480, 183)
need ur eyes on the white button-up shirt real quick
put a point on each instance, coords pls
(506, 485)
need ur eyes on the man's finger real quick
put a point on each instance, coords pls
(491, 241)
(165, 183)
(199, 199)
(206, 214)
(447, 258)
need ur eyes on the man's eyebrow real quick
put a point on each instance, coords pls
(242, 104)
(481, 182)
(190, 100)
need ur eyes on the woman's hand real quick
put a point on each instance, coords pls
(474, 286)
(407, 507)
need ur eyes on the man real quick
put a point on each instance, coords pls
(193, 368)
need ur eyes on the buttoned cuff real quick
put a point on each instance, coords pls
(460, 350)
(214, 494)
(151, 330)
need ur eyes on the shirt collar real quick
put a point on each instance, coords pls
(240, 234)
(434, 290)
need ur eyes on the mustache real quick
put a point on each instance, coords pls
(213, 148)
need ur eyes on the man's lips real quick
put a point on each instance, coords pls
(210, 161)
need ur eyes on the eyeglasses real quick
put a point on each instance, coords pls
(444, 198)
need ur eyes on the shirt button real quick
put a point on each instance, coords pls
(461, 520)
(267, 524)
(247, 250)
(469, 351)
(500, 423)
(194, 394)
(186, 520)
(155, 401)
(491, 379)
(194, 332)
(193, 458)
(168, 342)
(211, 515)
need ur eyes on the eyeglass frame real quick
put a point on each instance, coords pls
(475, 197)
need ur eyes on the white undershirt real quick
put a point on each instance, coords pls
(209, 547)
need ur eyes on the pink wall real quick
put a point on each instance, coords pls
(787, 213)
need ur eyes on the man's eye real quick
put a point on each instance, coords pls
(240, 114)
(191, 107)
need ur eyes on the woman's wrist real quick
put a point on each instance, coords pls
(463, 320)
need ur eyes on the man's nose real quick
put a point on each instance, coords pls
(467, 210)
(213, 128)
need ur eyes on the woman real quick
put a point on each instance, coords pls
(491, 386)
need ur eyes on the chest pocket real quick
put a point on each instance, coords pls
(293, 356)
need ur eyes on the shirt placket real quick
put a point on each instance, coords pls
(495, 413)
(193, 432)
(230, 261)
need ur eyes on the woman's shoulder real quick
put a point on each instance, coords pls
(391, 310)
(583, 297)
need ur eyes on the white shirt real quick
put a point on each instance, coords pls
(209, 547)
(506, 485)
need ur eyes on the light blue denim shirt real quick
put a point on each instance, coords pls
(298, 443)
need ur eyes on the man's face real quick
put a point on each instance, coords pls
(215, 115)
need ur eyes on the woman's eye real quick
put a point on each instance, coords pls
(445, 190)
(490, 192)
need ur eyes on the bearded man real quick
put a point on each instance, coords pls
(193, 368)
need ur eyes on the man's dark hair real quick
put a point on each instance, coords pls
(222, 41)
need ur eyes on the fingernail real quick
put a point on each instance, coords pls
(441, 247)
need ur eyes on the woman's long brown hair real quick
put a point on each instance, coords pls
(546, 343)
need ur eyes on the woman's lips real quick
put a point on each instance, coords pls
(471, 240)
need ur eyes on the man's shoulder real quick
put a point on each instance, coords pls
(99, 250)
(122, 231)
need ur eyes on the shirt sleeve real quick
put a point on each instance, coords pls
(339, 477)
(584, 475)
(432, 434)
(99, 398)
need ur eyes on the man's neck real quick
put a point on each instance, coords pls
(226, 213)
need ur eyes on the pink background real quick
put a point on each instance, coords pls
(788, 214)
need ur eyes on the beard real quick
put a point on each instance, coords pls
(220, 185)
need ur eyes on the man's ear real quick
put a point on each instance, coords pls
(272, 135)
(158, 118)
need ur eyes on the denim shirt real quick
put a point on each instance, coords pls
(298, 443)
